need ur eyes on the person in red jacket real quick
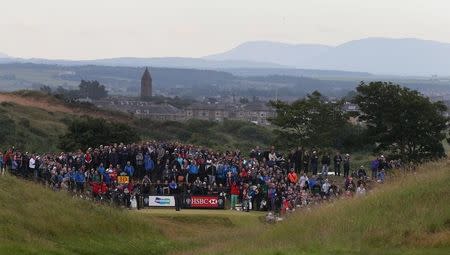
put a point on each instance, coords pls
(234, 195)
(292, 177)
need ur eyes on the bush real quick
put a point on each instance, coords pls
(91, 132)
(24, 122)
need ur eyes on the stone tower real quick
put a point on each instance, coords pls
(146, 85)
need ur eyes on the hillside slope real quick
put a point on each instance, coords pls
(408, 216)
(35, 220)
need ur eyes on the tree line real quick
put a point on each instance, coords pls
(392, 119)
(86, 89)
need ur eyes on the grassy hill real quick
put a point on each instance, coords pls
(406, 216)
(35, 220)
(33, 121)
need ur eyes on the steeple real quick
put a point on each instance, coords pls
(146, 85)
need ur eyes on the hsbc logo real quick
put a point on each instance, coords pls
(204, 201)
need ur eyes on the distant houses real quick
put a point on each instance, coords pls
(257, 113)
(144, 107)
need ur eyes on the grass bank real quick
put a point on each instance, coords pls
(35, 220)
(405, 216)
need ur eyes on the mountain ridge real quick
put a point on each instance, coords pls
(376, 55)
(379, 55)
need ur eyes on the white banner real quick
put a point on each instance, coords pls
(161, 201)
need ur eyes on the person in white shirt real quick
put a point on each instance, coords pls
(326, 187)
(32, 166)
(303, 180)
(361, 190)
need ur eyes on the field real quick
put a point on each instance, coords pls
(407, 215)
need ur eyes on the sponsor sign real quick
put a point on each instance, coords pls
(204, 202)
(123, 179)
(161, 201)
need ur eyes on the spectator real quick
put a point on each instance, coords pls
(292, 177)
(346, 165)
(374, 164)
(129, 169)
(337, 160)
(234, 195)
(361, 190)
(325, 164)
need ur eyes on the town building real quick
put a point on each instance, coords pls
(258, 112)
(146, 85)
(142, 109)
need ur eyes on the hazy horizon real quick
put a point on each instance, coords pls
(85, 29)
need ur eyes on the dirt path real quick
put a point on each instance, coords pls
(47, 105)
(43, 104)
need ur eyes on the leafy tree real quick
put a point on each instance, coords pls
(46, 89)
(402, 121)
(92, 89)
(92, 132)
(311, 121)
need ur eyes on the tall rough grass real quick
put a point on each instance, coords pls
(405, 216)
(35, 220)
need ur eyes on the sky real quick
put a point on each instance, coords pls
(91, 29)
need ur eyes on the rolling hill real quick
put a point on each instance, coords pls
(408, 215)
(407, 56)
(36, 220)
(296, 55)
(34, 122)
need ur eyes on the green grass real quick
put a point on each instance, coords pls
(35, 220)
(31, 129)
(38, 130)
(408, 215)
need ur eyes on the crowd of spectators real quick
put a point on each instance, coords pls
(261, 180)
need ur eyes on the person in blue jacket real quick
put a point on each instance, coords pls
(193, 168)
(149, 165)
(193, 171)
(221, 174)
(79, 180)
(129, 169)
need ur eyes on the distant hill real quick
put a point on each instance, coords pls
(297, 55)
(375, 55)
(173, 62)
(314, 73)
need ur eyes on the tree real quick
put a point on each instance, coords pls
(92, 132)
(402, 121)
(46, 89)
(311, 121)
(92, 89)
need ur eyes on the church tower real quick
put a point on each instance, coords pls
(146, 85)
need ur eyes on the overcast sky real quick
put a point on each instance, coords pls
(88, 29)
